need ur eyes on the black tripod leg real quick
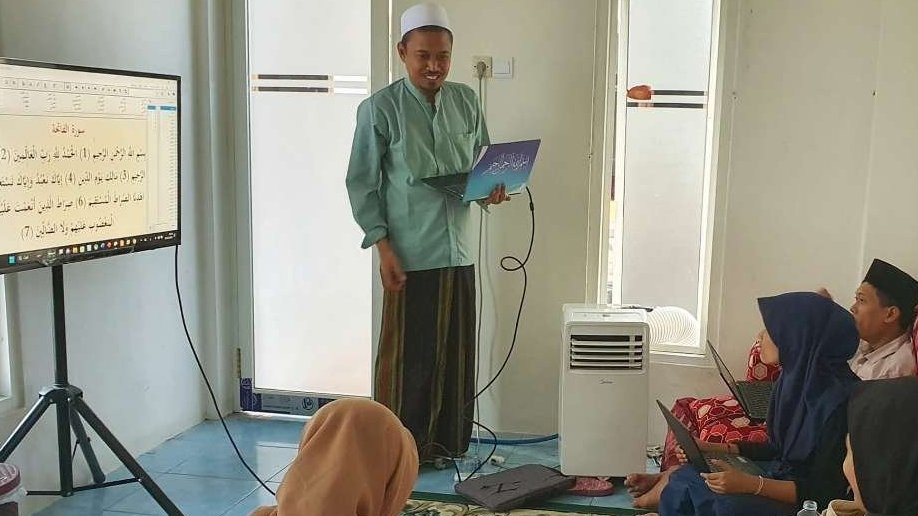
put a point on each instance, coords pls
(83, 440)
(109, 439)
(24, 426)
(65, 461)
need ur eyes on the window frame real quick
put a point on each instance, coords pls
(614, 150)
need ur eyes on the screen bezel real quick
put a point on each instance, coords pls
(153, 243)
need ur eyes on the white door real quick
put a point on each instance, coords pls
(311, 284)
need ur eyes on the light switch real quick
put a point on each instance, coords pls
(503, 68)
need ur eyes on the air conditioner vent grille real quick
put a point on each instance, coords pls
(607, 352)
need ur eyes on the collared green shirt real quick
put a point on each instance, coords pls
(400, 139)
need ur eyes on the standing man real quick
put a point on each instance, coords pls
(414, 128)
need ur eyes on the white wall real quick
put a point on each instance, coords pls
(126, 345)
(821, 176)
(890, 217)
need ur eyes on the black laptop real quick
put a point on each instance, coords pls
(754, 397)
(516, 487)
(508, 164)
(703, 461)
(452, 184)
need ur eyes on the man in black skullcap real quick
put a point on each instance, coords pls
(884, 311)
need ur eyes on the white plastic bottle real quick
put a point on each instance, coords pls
(809, 509)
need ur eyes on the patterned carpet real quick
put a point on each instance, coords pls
(451, 507)
(425, 508)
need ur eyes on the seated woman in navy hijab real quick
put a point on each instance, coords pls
(812, 338)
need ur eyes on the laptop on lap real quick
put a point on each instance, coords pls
(754, 397)
(703, 461)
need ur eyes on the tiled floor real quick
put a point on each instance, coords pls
(200, 473)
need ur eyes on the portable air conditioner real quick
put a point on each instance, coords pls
(604, 391)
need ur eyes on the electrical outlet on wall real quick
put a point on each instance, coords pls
(503, 68)
(489, 66)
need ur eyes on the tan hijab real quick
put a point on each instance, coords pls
(355, 459)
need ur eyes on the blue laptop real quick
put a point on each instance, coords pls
(509, 164)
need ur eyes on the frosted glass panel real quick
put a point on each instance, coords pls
(309, 66)
(664, 163)
(669, 43)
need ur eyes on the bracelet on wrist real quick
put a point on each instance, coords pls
(761, 485)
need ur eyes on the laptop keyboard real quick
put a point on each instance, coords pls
(733, 460)
(453, 184)
(457, 190)
(709, 459)
(757, 396)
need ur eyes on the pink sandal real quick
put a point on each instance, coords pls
(591, 486)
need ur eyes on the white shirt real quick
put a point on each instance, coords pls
(891, 360)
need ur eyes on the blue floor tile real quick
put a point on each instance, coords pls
(431, 480)
(483, 450)
(195, 496)
(256, 499)
(200, 472)
(280, 475)
(60, 511)
(248, 432)
(169, 455)
(534, 454)
(266, 461)
(94, 501)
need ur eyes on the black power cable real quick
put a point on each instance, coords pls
(213, 397)
(519, 265)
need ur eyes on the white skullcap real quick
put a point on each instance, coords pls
(423, 15)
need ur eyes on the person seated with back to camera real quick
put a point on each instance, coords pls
(881, 464)
(355, 459)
